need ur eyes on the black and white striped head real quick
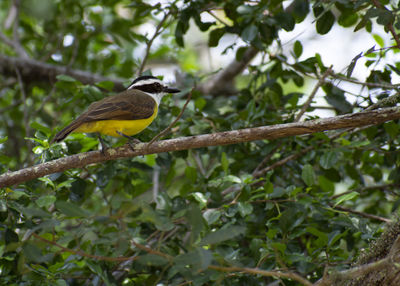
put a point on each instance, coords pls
(152, 86)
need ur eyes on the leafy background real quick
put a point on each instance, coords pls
(301, 205)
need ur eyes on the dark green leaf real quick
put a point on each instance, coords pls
(222, 235)
(70, 209)
(308, 175)
(249, 33)
(325, 22)
(215, 36)
(329, 159)
(297, 49)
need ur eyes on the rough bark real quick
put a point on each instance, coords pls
(372, 117)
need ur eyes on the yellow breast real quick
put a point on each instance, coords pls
(110, 127)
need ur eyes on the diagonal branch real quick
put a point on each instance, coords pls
(166, 130)
(15, 45)
(84, 254)
(222, 81)
(150, 42)
(370, 117)
(390, 25)
(307, 104)
(32, 70)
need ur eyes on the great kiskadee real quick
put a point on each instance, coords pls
(124, 114)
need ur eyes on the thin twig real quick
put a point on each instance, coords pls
(84, 254)
(264, 161)
(320, 82)
(388, 101)
(18, 49)
(166, 130)
(256, 271)
(16, 4)
(26, 112)
(365, 189)
(370, 216)
(152, 251)
(368, 84)
(157, 32)
(217, 18)
(390, 25)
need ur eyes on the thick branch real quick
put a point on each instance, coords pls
(222, 81)
(32, 70)
(372, 117)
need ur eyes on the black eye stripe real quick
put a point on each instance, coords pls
(150, 88)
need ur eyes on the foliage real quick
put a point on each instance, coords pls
(110, 224)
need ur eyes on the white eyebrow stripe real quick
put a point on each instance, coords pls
(144, 82)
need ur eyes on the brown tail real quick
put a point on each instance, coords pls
(60, 136)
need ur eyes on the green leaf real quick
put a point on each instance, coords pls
(66, 78)
(325, 22)
(46, 201)
(222, 235)
(70, 209)
(107, 85)
(329, 159)
(281, 247)
(335, 97)
(191, 173)
(200, 103)
(352, 65)
(195, 219)
(4, 139)
(40, 127)
(297, 49)
(152, 260)
(211, 216)
(161, 222)
(245, 208)
(224, 162)
(215, 36)
(326, 184)
(308, 175)
(378, 39)
(32, 252)
(392, 129)
(322, 240)
(249, 33)
(197, 260)
(346, 197)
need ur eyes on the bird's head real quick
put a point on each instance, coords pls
(152, 86)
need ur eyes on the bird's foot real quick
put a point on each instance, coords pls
(103, 144)
(131, 140)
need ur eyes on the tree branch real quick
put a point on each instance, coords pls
(150, 42)
(369, 216)
(372, 117)
(256, 271)
(32, 70)
(320, 82)
(222, 81)
(390, 25)
(84, 254)
(357, 273)
(166, 130)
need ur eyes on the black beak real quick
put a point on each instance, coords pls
(171, 90)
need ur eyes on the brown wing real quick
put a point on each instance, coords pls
(127, 105)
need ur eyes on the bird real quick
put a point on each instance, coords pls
(122, 115)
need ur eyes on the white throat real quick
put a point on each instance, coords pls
(156, 96)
